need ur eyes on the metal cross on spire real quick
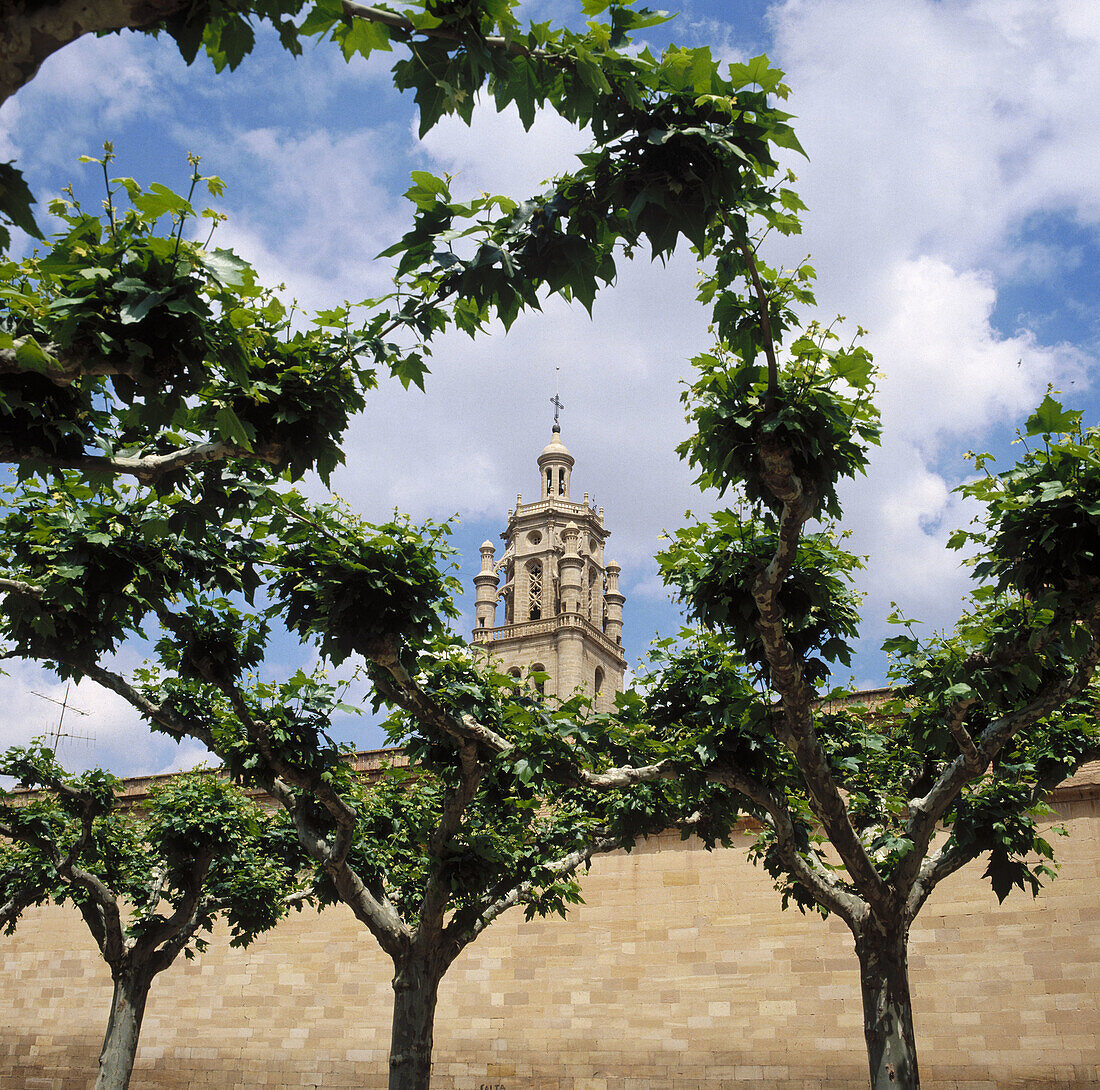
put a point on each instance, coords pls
(556, 400)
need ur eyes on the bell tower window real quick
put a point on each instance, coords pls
(549, 482)
(534, 584)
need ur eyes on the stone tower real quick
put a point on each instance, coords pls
(563, 612)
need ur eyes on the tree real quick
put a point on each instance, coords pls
(149, 886)
(91, 561)
(983, 722)
(434, 851)
(495, 806)
(128, 350)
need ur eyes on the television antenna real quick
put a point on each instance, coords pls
(58, 733)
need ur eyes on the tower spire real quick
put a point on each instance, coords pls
(556, 400)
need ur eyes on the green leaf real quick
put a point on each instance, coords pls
(230, 427)
(227, 268)
(362, 36)
(15, 203)
(1051, 419)
(158, 200)
(135, 310)
(33, 356)
(321, 17)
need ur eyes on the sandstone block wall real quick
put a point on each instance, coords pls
(679, 972)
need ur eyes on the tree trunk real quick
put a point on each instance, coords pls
(415, 987)
(116, 1060)
(887, 1009)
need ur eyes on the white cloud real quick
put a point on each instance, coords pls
(941, 127)
(83, 94)
(947, 373)
(334, 205)
(495, 154)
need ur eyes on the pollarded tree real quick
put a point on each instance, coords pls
(494, 807)
(983, 722)
(433, 851)
(150, 886)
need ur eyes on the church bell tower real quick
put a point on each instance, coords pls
(563, 612)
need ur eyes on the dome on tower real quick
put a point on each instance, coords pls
(556, 449)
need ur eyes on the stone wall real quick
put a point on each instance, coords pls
(679, 972)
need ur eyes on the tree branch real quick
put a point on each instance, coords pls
(102, 914)
(376, 912)
(925, 813)
(764, 314)
(405, 27)
(470, 921)
(403, 691)
(19, 901)
(175, 725)
(160, 930)
(805, 868)
(785, 669)
(149, 468)
(63, 367)
(30, 32)
(147, 948)
(956, 717)
(17, 586)
(433, 904)
(172, 946)
(953, 857)
(398, 687)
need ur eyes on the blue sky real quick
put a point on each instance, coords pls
(953, 181)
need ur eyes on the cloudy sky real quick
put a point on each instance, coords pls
(953, 179)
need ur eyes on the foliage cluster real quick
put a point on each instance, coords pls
(199, 843)
(125, 344)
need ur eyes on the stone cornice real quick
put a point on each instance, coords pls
(547, 626)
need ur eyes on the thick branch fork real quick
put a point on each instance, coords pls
(787, 677)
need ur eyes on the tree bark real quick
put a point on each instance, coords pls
(415, 988)
(116, 1060)
(887, 1008)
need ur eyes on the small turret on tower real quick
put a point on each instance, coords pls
(486, 583)
(613, 605)
(571, 567)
